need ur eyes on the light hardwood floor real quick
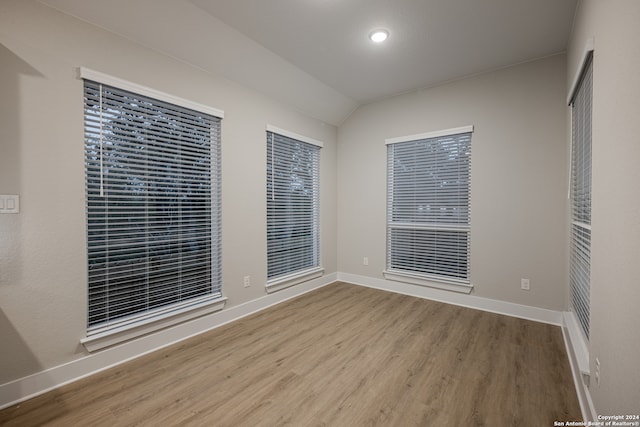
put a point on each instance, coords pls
(343, 355)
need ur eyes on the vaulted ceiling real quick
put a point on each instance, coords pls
(315, 55)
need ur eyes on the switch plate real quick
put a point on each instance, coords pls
(365, 261)
(9, 204)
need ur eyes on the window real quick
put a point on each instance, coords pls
(153, 206)
(428, 215)
(293, 208)
(580, 252)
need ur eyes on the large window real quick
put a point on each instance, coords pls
(580, 253)
(153, 207)
(293, 208)
(428, 215)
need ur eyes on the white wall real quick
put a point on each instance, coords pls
(615, 245)
(43, 249)
(518, 184)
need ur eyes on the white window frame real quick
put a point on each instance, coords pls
(121, 329)
(462, 285)
(289, 278)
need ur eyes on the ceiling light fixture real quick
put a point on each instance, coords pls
(378, 36)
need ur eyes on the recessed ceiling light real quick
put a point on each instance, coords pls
(379, 36)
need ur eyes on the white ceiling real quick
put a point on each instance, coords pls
(315, 54)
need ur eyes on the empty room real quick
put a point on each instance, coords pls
(319, 212)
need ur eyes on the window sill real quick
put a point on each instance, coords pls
(293, 279)
(109, 335)
(579, 342)
(432, 282)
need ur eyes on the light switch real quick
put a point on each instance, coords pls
(9, 204)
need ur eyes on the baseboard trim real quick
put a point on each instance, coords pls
(41, 382)
(578, 354)
(471, 301)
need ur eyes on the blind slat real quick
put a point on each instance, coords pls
(428, 206)
(580, 245)
(153, 204)
(293, 205)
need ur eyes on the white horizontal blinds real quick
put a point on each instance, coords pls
(293, 206)
(153, 204)
(580, 259)
(428, 215)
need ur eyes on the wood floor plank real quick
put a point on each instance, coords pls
(343, 355)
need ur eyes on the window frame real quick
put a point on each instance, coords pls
(289, 278)
(462, 285)
(124, 328)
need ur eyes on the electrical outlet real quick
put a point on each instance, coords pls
(524, 284)
(365, 261)
(597, 373)
(247, 281)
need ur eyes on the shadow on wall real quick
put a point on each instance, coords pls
(13, 343)
(15, 356)
(13, 68)
(14, 349)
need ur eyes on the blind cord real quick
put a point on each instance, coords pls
(273, 170)
(101, 167)
(570, 157)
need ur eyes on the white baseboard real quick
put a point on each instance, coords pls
(578, 353)
(471, 301)
(33, 385)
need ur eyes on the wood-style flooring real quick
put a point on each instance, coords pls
(342, 355)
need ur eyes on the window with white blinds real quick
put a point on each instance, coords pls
(580, 252)
(428, 212)
(153, 206)
(293, 207)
